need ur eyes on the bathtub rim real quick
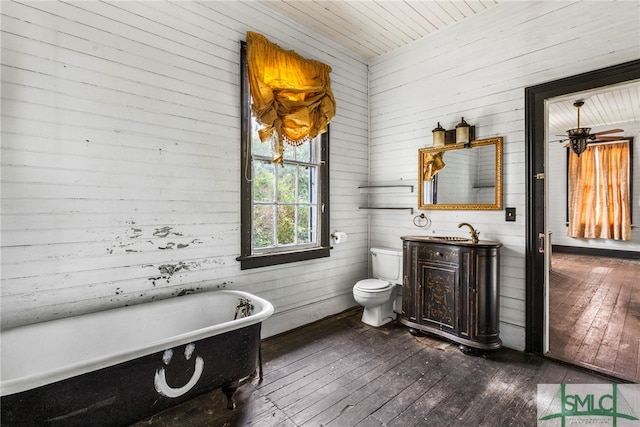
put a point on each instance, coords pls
(39, 379)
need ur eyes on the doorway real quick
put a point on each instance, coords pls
(536, 338)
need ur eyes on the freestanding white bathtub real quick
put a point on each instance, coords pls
(119, 366)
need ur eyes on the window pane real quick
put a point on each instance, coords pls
(286, 225)
(258, 147)
(305, 231)
(263, 223)
(261, 148)
(287, 184)
(263, 181)
(304, 152)
(304, 184)
(289, 152)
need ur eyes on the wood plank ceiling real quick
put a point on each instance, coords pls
(370, 28)
(603, 109)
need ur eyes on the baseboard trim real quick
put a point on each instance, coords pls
(613, 253)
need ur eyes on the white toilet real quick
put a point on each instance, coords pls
(378, 295)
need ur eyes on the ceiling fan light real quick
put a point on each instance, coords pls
(578, 139)
(578, 145)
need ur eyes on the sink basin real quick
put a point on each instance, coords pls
(448, 238)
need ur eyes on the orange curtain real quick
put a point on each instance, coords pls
(599, 193)
(292, 97)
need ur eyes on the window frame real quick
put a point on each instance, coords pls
(248, 259)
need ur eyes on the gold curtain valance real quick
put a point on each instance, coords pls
(291, 95)
(433, 163)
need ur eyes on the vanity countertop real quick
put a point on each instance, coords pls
(451, 240)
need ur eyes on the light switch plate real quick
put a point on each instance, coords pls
(510, 214)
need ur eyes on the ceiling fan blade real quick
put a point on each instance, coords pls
(608, 138)
(605, 132)
(559, 139)
(595, 140)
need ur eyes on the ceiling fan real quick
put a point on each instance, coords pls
(579, 137)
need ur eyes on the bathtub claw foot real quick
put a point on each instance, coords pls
(229, 390)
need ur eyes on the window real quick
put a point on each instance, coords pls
(284, 208)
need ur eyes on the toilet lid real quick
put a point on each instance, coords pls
(372, 284)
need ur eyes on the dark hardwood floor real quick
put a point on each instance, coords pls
(594, 313)
(341, 372)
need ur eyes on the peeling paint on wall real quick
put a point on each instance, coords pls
(172, 245)
(168, 270)
(132, 238)
(171, 269)
(165, 231)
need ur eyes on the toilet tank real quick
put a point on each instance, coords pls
(387, 264)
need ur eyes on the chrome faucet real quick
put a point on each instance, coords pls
(474, 233)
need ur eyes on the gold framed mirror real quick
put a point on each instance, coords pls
(454, 177)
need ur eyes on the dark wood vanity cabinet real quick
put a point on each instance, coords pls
(451, 289)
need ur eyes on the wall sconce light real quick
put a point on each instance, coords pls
(438, 136)
(463, 134)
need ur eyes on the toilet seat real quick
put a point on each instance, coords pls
(373, 285)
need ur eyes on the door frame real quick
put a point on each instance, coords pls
(535, 96)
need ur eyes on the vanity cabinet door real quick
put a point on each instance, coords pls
(437, 283)
(445, 287)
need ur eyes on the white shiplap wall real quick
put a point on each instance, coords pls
(478, 69)
(120, 159)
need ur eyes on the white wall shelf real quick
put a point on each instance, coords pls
(386, 188)
(385, 208)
